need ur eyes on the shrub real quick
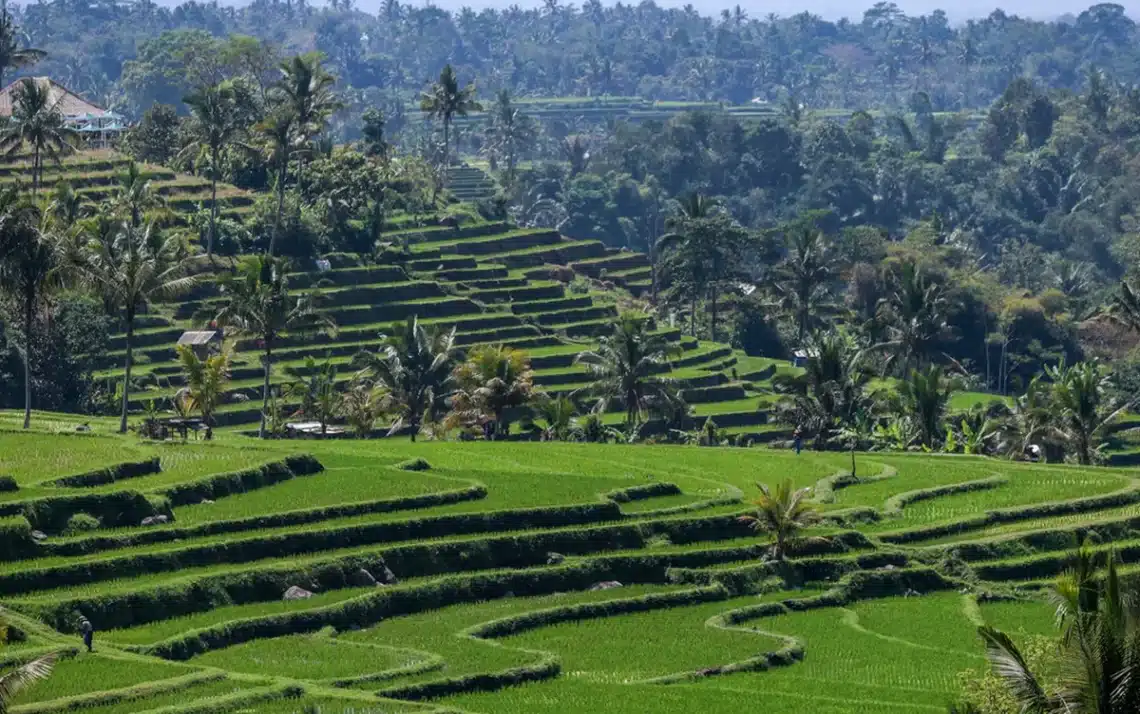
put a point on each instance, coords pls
(81, 523)
(8, 484)
(416, 464)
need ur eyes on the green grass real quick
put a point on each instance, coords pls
(94, 672)
(315, 656)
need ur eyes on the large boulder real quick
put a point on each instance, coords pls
(296, 593)
(387, 577)
(555, 558)
(156, 520)
(605, 585)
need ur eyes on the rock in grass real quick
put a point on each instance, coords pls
(362, 579)
(605, 585)
(39, 536)
(416, 464)
(297, 593)
(155, 520)
(387, 577)
(555, 558)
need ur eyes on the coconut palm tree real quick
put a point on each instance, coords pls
(20, 678)
(558, 413)
(315, 385)
(206, 380)
(703, 259)
(37, 122)
(624, 369)
(27, 264)
(12, 55)
(136, 195)
(306, 88)
(414, 367)
(510, 130)
(218, 121)
(130, 267)
(444, 100)
(257, 302)
(923, 398)
(1081, 406)
(491, 381)
(783, 512)
(832, 391)
(1125, 307)
(66, 207)
(362, 404)
(277, 134)
(1099, 645)
(915, 315)
(804, 279)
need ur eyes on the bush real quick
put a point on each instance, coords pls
(8, 484)
(118, 472)
(416, 464)
(81, 523)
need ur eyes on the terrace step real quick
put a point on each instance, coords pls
(565, 303)
(575, 315)
(520, 294)
(616, 261)
(561, 254)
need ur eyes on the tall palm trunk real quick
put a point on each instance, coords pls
(712, 315)
(213, 202)
(29, 301)
(281, 170)
(446, 148)
(37, 170)
(127, 371)
(261, 430)
(693, 315)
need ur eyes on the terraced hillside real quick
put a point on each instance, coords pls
(94, 176)
(512, 577)
(492, 282)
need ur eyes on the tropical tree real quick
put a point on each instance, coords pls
(315, 386)
(803, 281)
(1125, 307)
(493, 380)
(831, 393)
(66, 206)
(923, 398)
(218, 120)
(1081, 406)
(362, 404)
(1028, 421)
(624, 369)
(1099, 647)
(136, 195)
(306, 88)
(782, 512)
(278, 137)
(130, 267)
(510, 130)
(444, 100)
(20, 678)
(414, 368)
(206, 380)
(26, 265)
(37, 122)
(12, 55)
(258, 303)
(915, 315)
(558, 413)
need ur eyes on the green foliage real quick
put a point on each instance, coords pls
(80, 523)
(414, 465)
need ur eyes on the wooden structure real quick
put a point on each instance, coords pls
(202, 342)
(99, 127)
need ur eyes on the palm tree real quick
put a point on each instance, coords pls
(136, 194)
(1099, 646)
(558, 413)
(414, 367)
(915, 315)
(12, 55)
(37, 122)
(12, 683)
(66, 207)
(445, 100)
(218, 121)
(1125, 307)
(258, 303)
(803, 280)
(703, 258)
(362, 404)
(576, 152)
(307, 90)
(831, 393)
(685, 263)
(783, 512)
(28, 264)
(130, 267)
(316, 386)
(206, 380)
(924, 398)
(491, 381)
(277, 134)
(624, 369)
(1081, 407)
(510, 129)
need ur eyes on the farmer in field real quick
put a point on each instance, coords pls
(798, 440)
(88, 632)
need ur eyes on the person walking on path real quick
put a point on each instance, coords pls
(88, 632)
(798, 440)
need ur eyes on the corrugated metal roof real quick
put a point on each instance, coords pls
(68, 102)
(198, 337)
